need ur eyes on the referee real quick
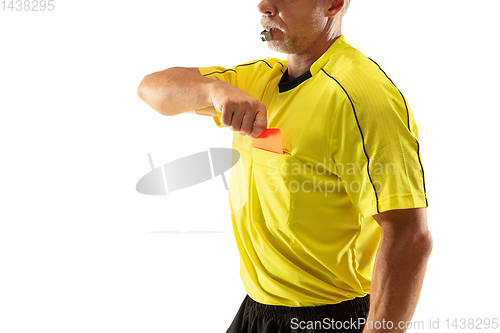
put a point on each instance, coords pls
(332, 232)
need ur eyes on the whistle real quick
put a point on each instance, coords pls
(266, 36)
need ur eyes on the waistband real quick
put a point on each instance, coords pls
(342, 309)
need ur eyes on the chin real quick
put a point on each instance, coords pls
(280, 46)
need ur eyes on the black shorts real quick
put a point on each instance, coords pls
(254, 317)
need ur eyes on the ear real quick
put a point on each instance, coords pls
(336, 7)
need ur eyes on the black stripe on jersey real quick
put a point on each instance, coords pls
(423, 175)
(282, 66)
(408, 116)
(362, 136)
(252, 63)
(404, 99)
(230, 69)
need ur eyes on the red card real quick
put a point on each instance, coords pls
(269, 140)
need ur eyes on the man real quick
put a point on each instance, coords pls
(336, 225)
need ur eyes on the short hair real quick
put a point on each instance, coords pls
(346, 6)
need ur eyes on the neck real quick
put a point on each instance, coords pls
(298, 64)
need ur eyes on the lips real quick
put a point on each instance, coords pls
(271, 28)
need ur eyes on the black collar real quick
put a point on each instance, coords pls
(286, 85)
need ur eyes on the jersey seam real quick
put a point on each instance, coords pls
(404, 99)
(402, 195)
(246, 150)
(331, 136)
(422, 168)
(282, 66)
(222, 72)
(247, 64)
(362, 138)
(253, 63)
(409, 128)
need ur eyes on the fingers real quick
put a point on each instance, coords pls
(237, 118)
(246, 119)
(226, 114)
(254, 121)
(247, 124)
(241, 112)
(260, 122)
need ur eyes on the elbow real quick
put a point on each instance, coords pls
(430, 242)
(146, 92)
(141, 90)
(423, 244)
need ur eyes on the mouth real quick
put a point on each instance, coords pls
(271, 29)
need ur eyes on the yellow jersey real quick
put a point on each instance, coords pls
(303, 220)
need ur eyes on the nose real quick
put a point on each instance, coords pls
(267, 8)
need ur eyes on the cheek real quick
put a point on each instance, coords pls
(307, 22)
(318, 20)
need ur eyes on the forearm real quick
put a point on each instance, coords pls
(397, 281)
(178, 90)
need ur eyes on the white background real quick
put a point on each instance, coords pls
(80, 249)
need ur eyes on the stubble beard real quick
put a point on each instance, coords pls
(286, 46)
(294, 44)
(298, 44)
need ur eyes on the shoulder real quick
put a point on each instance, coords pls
(255, 69)
(256, 66)
(261, 69)
(356, 72)
(268, 64)
(363, 82)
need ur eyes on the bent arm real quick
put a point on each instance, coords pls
(399, 269)
(178, 90)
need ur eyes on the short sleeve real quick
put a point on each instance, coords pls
(375, 148)
(222, 74)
